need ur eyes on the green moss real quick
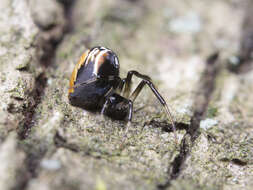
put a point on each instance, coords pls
(25, 65)
(100, 184)
(192, 184)
(19, 92)
(212, 112)
(3, 76)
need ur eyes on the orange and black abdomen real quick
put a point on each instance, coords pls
(89, 80)
(73, 77)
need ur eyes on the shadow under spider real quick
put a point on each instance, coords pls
(165, 126)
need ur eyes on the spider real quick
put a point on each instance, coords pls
(95, 85)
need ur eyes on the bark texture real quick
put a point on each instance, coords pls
(199, 55)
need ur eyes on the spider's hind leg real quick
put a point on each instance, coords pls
(147, 81)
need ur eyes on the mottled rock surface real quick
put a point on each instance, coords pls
(199, 55)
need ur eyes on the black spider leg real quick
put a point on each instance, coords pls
(105, 105)
(110, 92)
(147, 81)
(130, 111)
(128, 82)
(120, 86)
(94, 79)
(85, 82)
(109, 95)
(130, 102)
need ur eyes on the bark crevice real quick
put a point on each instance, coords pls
(201, 101)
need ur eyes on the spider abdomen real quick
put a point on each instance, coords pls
(94, 76)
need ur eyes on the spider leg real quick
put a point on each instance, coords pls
(137, 91)
(84, 83)
(146, 81)
(104, 106)
(94, 79)
(130, 112)
(120, 86)
(129, 119)
(128, 81)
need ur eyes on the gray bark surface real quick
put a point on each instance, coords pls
(199, 56)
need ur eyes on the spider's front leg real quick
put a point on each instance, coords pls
(128, 81)
(147, 81)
